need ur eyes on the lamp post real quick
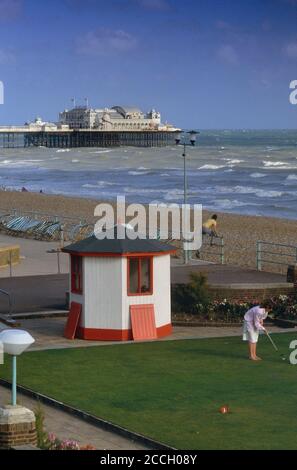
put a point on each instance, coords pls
(178, 137)
(15, 342)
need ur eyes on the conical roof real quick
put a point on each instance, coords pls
(118, 242)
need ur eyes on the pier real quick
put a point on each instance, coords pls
(21, 137)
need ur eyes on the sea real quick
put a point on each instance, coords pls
(238, 171)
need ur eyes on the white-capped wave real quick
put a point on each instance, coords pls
(233, 161)
(269, 163)
(143, 190)
(20, 163)
(75, 160)
(62, 150)
(100, 184)
(292, 177)
(247, 190)
(257, 175)
(210, 167)
(230, 204)
(258, 192)
(135, 173)
(174, 195)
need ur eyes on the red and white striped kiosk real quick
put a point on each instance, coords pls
(119, 288)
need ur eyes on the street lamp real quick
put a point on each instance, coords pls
(15, 342)
(179, 135)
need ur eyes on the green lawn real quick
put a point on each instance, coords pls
(172, 391)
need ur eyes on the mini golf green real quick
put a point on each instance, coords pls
(172, 391)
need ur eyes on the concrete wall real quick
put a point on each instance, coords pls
(248, 294)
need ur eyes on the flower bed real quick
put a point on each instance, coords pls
(53, 443)
(232, 313)
(285, 307)
(191, 303)
(215, 313)
(49, 441)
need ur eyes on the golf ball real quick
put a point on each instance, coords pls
(224, 409)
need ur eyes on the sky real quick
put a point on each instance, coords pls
(205, 64)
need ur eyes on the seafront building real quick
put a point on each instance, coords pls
(83, 126)
(111, 119)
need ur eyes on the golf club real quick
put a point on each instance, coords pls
(271, 340)
(274, 345)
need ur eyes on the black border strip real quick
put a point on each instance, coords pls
(89, 418)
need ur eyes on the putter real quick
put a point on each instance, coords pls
(274, 345)
(271, 340)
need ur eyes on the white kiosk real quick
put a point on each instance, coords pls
(120, 288)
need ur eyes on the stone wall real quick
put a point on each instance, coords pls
(249, 294)
(17, 427)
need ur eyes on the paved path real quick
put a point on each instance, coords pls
(218, 274)
(70, 427)
(35, 259)
(35, 293)
(36, 286)
(48, 334)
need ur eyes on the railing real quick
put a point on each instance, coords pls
(220, 252)
(262, 250)
(9, 300)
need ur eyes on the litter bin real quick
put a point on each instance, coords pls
(292, 273)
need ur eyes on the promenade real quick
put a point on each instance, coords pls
(36, 285)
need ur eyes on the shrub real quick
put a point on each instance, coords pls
(193, 297)
(230, 312)
(49, 441)
(285, 307)
(40, 427)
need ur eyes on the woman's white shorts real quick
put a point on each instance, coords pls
(249, 333)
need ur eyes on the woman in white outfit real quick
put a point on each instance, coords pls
(253, 325)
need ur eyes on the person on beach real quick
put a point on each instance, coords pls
(209, 228)
(253, 325)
